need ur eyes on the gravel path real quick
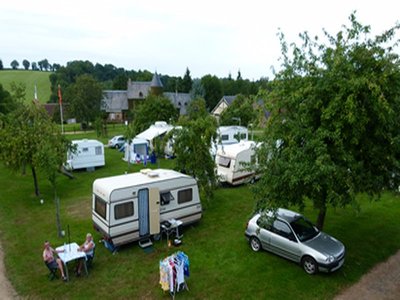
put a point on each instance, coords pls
(6, 289)
(381, 283)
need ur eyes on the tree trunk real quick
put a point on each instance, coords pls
(321, 217)
(35, 182)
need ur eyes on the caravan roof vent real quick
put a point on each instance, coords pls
(149, 172)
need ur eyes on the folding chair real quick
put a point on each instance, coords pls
(89, 261)
(52, 270)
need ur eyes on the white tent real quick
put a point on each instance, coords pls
(137, 151)
(156, 130)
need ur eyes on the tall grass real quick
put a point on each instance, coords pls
(222, 265)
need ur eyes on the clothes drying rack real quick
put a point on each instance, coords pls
(173, 271)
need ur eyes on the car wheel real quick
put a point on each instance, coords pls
(116, 146)
(309, 265)
(255, 244)
(253, 180)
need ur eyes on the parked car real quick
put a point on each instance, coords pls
(292, 236)
(117, 142)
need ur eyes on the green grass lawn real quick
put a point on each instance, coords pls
(29, 78)
(222, 265)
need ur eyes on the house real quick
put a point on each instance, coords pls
(223, 104)
(118, 102)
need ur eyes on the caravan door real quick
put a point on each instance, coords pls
(154, 204)
(143, 206)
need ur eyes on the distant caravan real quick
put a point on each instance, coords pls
(131, 207)
(231, 163)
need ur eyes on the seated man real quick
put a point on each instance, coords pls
(51, 262)
(88, 248)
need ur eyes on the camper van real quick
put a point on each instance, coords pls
(88, 154)
(131, 207)
(230, 160)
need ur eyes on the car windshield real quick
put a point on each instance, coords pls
(303, 229)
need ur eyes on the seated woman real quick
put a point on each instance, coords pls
(51, 262)
(88, 248)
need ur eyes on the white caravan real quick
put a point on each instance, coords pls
(130, 207)
(230, 160)
(227, 135)
(232, 134)
(89, 154)
(137, 151)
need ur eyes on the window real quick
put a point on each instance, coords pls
(281, 228)
(123, 210)
(98, 150)
(243, 136)
(185, 196)
(86, 149)
(224, 161)
(224, 137)
(166, 198)
(100, 207)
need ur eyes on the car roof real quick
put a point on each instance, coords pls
(284, 214)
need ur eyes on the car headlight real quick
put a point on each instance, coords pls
(330, 259)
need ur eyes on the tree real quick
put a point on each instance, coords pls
(213, 90)
(240, 109)
(1, 65)
(333, 130)
(14, 64)
(26, 64)
(186, 84)
(197, 90)
(192, 146)
(84, 97)
(44, 64)
(27, 130)
(7, 103)
(154, 108)
(34, 66)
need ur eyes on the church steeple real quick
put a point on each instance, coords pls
(156, 85)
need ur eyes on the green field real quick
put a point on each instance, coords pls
(29, 78)
(222, 265)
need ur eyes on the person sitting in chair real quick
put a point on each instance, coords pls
(88, 248)
(50, 261)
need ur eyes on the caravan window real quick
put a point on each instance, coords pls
(123, 210)
(224, 161)
(166, 198)
(185, 196)
(243, 136)
(100, 206)
(224, 137)
(85, 149)
(98, 150)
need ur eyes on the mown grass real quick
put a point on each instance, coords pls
(29, 78)
(222, 266)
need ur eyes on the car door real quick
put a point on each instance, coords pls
(283, 242)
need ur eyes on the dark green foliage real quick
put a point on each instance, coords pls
(84, 97)
(192, 148)
(213, 90)
(14, 64)
(333, 130)
(7, 104)
(241, 109)
(26, 64)
(153, 109)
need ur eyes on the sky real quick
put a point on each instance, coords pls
(167, 36)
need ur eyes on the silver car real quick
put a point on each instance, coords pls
(291, 235)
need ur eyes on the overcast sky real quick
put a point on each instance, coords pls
(208, 36)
